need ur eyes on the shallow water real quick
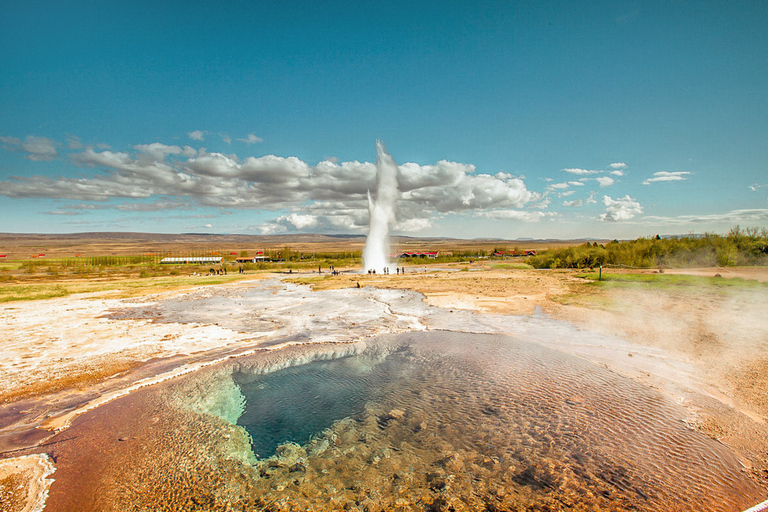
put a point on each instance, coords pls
(420, 421)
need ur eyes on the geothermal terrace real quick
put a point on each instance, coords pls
(430, 390)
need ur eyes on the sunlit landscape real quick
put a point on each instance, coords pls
(415, 256)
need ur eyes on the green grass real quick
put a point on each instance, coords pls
(664, 281)
(10, 293)
(519, 266)
(122, 288)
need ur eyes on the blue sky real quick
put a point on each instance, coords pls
(509, 119)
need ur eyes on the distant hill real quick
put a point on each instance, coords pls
(25, 245)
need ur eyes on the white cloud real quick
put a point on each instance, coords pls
(158, 151)
(516, 215)
(226, 138)
(11, 141)
(74, 142)
(605, 181)
(757, 215)
(580, 172)
(755, 187)
(617, 173)
(301, 221)
(618, 165)
(412, 225)
(251, 139)
(37, 148)
(209, 225)
(667, 176)
(197, 135)
(558, 186)
(566, 194)
(576, 203)
(623, 208)
(329, 196)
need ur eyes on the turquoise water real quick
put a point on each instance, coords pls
(421, 421)
(462, 415)
(293, 404)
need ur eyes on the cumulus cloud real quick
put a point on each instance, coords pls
(618, 165)
(605, 181)
(667, 176)
(37, 148)
(623, 208)
(251, 139)
(157, 151)
(576, 203)
(617, 173)
(197, 135)
(450, 187)
(580, 172)
(301, 221)
(413, 225)
(330, 196)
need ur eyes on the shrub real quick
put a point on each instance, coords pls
(738, 247)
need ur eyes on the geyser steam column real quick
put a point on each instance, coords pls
(381, 212)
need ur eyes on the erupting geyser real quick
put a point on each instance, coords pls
(381, 212)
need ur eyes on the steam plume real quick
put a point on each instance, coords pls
(381, 211)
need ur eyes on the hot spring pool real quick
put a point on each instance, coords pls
(420, 421)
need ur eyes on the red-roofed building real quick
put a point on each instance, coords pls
(431, 255)
(252, 259)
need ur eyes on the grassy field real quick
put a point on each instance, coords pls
(125, 287)
(664, 281)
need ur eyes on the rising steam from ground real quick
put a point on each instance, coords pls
(381, 211)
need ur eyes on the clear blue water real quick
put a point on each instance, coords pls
(477, 415)
(293, 404)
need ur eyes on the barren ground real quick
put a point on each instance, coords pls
(71, 345)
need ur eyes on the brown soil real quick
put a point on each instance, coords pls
(507, 291)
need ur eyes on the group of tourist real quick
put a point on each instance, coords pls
(385, 270)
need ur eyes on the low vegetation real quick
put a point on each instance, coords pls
(658, 280)
(48, 277)
(127, 287)
(737, 248)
